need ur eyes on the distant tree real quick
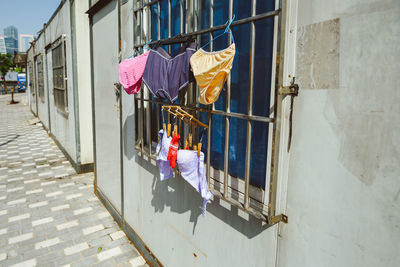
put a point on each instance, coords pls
(18, 69)
(5, 65)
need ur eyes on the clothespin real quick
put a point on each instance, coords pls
(198, 149)
(186, 144)
(194, 147)
(190, 140)
(175, 129)
(164, 126)
(169, 130)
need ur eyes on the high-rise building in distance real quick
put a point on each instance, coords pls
(11, 39)
(24, 42)
(2, 45)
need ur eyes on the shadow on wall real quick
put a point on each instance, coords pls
(181, 197)
(129, 137)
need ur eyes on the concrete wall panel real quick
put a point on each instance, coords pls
(63, 125)
(105, 67)
(83, 81)
(343, 193)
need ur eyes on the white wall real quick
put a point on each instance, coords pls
(343, 190)
(84, 80)
(62, 126)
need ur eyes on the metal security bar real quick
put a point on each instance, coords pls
(39, 75)
(60, 74)
(243, 199)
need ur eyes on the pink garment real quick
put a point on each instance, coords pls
(131, 73)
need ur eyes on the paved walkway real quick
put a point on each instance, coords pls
(49, 215)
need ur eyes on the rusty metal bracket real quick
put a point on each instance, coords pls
(278, 218)
(292, 89)
(117, 87)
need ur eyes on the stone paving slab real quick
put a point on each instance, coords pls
(49, 215)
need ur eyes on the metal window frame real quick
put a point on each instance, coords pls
(40, 80)
(243, 198)
(62, 65)
(31, 77)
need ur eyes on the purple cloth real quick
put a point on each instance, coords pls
(164, 75)
(162, 154)
(192, 170)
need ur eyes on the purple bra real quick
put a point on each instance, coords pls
(164, 75)
(162, 154)
(190, 165)
(192, 170)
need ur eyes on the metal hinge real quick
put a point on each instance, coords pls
(278, 218)
(292, 89)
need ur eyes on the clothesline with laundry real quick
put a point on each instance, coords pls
(165, 76)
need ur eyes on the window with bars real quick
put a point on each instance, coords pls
(239, 141)
(60, 74)
(40, 77)
(31, 78)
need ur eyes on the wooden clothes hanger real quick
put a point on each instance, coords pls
(178, 112)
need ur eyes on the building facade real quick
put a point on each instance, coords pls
(11, 39)
(301, 149)
(24, 42)
(58, 72)
(3, 49)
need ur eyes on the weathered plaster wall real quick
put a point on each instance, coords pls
(344, 187)
(317, 55)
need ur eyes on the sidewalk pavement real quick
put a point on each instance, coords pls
(49, 215)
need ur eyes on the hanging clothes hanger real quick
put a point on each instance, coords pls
(227, 30)
(179, 113)
(137, 52)
(178, 39)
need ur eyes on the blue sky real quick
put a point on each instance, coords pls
(27, 15)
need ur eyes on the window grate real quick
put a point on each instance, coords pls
(165, 19)
(39, 75)
(31, 79)
(60, 75)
